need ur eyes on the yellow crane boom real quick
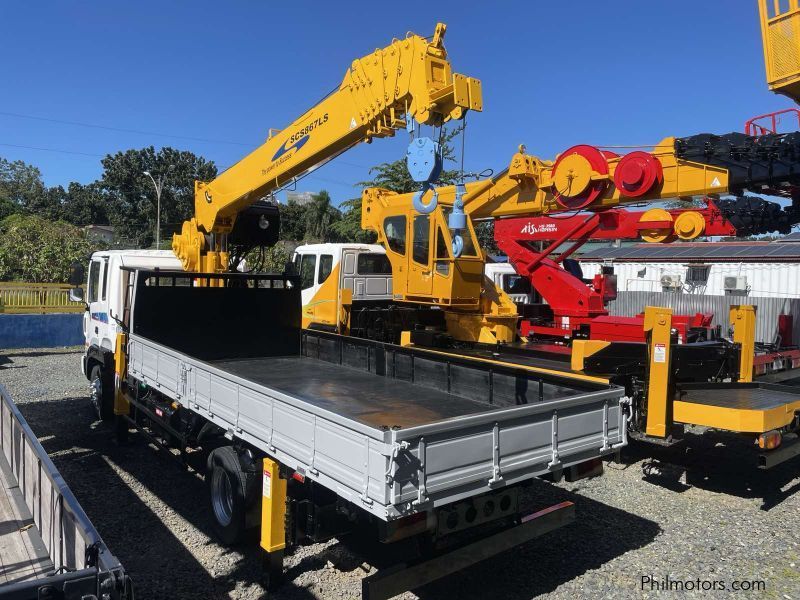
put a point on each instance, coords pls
(409, 78)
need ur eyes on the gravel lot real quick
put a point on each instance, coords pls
(732, 523)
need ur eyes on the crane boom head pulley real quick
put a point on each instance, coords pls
(410, 79)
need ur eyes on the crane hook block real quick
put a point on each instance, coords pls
(424, 160)
(419, 205)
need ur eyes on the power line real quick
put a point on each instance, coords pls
(120, 129)
(52, 150)
(141, 132)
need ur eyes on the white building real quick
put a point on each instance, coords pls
(760, 269)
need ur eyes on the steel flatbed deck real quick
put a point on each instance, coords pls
(373, 401)
(394, 430)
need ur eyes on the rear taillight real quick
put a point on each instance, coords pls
(769, 440)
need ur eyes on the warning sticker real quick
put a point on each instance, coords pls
(266, 488)
(660, 353)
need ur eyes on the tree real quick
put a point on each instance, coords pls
(321, 215)
(293, 221)
(36, 249)
(348, 228)
(85, 204)
(21, 187)
(132, 197)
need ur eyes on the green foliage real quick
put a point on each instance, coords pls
(315, 221)
(132, 195)
(36, 249)
(484, 230)
(21, 187)
(268, 260)
(85, 204)
(349, 226)
(321, 215)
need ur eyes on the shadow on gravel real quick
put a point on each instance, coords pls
(717, 461)
(154, 552)
(599, 534)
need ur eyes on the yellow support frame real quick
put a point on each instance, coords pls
(658, 324)
(780, 35)
(743, 320)
(273, 507)
(121, 404)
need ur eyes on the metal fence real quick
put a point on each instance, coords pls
(37, 298)
(73, 544)
(767, 309)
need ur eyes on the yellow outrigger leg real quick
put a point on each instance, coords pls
(658, 323)
(273, 520)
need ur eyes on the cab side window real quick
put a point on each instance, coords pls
(92, 293)
(104, 291)
(308, 264)
(422, 239)
(395, 230)
(325, 267)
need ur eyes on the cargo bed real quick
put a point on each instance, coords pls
(391, 429)
(48, 546)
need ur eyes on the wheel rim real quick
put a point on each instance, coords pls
(96, 393)
(222, 497)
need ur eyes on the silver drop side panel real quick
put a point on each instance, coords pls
(390, 472)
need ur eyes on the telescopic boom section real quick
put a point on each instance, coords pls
(410, 77)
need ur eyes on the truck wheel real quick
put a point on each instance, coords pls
(101, 394)
(231, 491)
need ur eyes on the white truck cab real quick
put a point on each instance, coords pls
(507, 279)
(364, 270)
(324, 269)
(105, 294)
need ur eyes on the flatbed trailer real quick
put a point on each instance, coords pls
(48, 546)
(396, 436)
(689, 389)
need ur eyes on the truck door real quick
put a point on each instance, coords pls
(348, 271)
(96, 328)
(306, 267)
(420, 279)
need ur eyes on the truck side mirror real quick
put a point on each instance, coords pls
(76, 294)
(77, 274)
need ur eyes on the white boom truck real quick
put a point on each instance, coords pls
(311, 435)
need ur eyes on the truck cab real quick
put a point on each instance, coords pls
(106, 286)
(326, 270)
(507, 279)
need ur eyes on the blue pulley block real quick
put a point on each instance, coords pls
(424, 160)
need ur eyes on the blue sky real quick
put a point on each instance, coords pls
(554, 74)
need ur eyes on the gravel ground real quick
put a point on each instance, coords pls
(731, 523)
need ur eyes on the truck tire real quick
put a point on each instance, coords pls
(101, 394)
(231, 490)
